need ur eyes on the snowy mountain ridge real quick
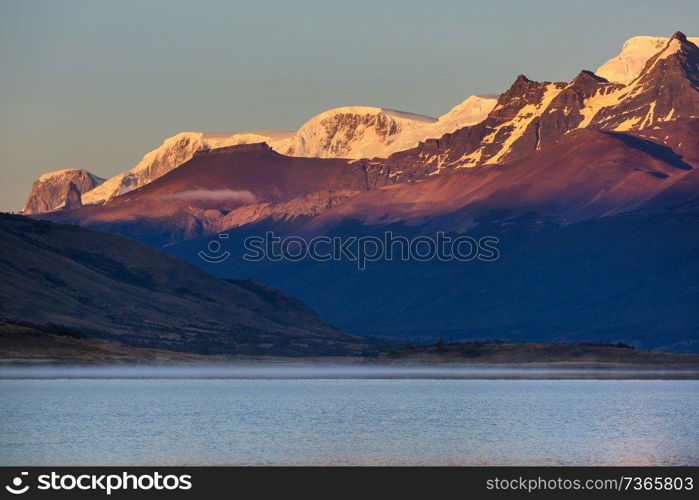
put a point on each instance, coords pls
(531, 115)
(647, 83)
(346, 132)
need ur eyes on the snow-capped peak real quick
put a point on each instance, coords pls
(469, 112)
(344, 132)
(173, 152)
(369, 132)
(369, 110)
(633, 57)
(473, 110)
(351, 132)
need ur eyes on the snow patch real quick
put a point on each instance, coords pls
(519, 123)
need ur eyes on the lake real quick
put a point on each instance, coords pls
(339, 421)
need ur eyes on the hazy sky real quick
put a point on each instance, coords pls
(95, 84)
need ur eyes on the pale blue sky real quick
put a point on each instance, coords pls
(95, 84)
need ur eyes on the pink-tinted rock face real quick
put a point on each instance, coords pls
(586, 174)
(666, 89)
(586, 148)
(226, 186)
(531, 115)
(527, 117)
(59, 190)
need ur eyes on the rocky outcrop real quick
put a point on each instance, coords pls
(510, 129)
(568, 109)
(59, 190)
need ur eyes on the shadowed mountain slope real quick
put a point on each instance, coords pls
(118, 289)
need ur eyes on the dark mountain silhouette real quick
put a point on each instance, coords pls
(626, 278)
(117, 289)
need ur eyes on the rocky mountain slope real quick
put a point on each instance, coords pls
(597, 240)
(586, 174)
(597, 237)
(60, 190)
(225, 187)
(116, 289)
(531, 114)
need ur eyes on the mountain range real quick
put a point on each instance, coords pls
(584, 119)
(577, 179)
(346, 132)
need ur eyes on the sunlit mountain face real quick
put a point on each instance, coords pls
(589, 185)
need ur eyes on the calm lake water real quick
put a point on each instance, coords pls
(348, 421)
